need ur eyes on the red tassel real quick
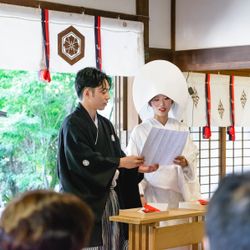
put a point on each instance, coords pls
(230, 129)
(206, 132)
(231, 133)
(45, 75)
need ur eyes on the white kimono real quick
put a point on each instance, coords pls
(169, 184)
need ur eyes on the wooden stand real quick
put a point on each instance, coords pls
(146, 234)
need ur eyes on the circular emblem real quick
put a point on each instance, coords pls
(85, 163)
(71, 45)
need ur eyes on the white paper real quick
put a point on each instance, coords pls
(163, 146)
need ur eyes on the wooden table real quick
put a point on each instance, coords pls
(146, 234)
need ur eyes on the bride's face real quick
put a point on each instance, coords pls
(161, 105)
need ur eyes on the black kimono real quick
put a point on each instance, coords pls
(87, 160)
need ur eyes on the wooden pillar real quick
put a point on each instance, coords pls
(222, 152)
(142, 12)
(173, 24)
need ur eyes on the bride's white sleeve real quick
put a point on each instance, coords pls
(133, 144)
(191, 154)
(190, 172)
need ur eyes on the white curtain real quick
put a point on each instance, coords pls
(195, 114)
(122, 46)
(242, 101)
(21, 41)
(21, 38)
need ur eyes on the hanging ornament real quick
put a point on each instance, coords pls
(243, 99)
(221, 109)
(71, 45)
(207, 130)
(98, 48)
(44, 72)
(231, 129)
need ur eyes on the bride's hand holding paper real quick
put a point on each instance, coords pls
(181, 160)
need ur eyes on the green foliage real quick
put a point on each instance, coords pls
(28, 136)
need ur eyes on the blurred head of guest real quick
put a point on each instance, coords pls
(228, 216)
(43, 219)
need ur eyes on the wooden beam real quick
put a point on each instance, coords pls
(163, 54)
(72, 9)
(236, 72)
(214, 59)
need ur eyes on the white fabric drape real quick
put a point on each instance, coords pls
(60, 21)
(21, 38)
(220, 104)
(122, 46)
(21, 43)
(242, 101)
(195, 114)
